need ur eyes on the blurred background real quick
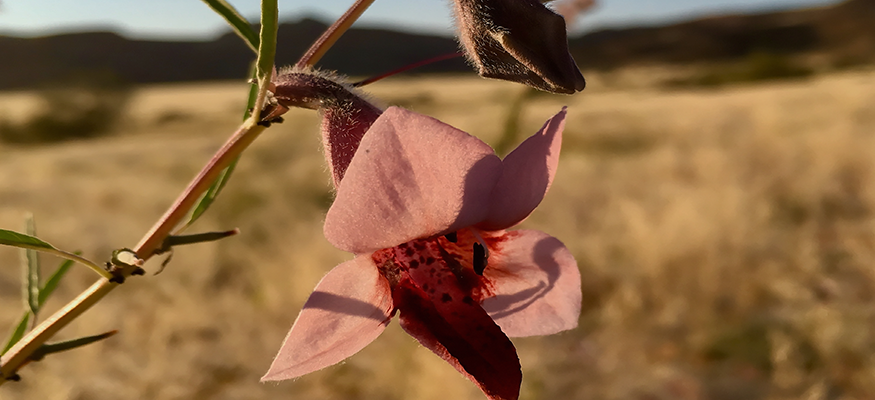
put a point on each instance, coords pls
(716, 188)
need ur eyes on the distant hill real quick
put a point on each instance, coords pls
(844, 33)
(33, 61)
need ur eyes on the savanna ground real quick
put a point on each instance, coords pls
(725, 237)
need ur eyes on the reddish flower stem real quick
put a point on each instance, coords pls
(407, 68)
(334, 32)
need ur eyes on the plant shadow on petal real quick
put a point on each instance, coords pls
(476, 195)
(344, 305)
(506, 304)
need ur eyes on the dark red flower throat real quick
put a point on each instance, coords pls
(438, 292)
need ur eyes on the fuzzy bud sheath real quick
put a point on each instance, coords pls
(346, 113)
(518, 40)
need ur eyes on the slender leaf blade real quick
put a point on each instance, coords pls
(17, 333)
(50, 348)
(15, 239)
(54, 280)
(30, 282)
(267, 40)
(253, 93)
(212, 193)
(239, 24)
(12, 238)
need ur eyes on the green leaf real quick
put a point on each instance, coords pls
(266, 45)
(182, 240)
(267, 36)
(54, 280)
(253, 94)
(17, 333)
(30, 269)
(16, 239)
(44, 294)
(239, 24)
(50, 348)
(210, 195)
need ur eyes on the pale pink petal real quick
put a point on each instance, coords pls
(349, 308)
(536, 285)
(527, 174)
(412, 177)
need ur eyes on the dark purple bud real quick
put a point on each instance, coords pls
(346, 114)
(518, 40)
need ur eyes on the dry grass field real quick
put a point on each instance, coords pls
(726, 240)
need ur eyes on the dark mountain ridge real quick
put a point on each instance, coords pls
(842, 32)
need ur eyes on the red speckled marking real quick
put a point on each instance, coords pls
(439, 295)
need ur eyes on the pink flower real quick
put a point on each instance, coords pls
(424, 207)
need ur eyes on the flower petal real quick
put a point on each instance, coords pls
(349, 308)
(527, 173)
(441, 315)
(535, 282)
(412, 177)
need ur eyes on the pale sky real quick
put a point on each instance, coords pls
(191, 19)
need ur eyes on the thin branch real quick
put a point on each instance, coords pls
(24, 349)
(334, 32)
(21, 352)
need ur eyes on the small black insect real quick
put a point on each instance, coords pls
(480, 258)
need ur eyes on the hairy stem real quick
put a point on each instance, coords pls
(334, 32)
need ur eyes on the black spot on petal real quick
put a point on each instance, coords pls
(452, 237)
(446, 298)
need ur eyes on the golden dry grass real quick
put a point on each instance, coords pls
(725, 240)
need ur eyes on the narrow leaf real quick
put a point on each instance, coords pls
(264, 64)
(54, 280)
(239, 24)
(181, 240)
(267, 36)
(16, 239)
(21, 240)
(210, 195)
(30, 269)
(50, 348)
(17, 333)
(253, 93)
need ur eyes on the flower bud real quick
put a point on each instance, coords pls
(346, 114)
(518, 40)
